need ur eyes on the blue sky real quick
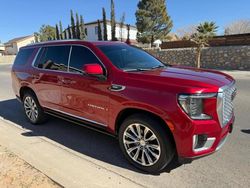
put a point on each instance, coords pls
(20, 18)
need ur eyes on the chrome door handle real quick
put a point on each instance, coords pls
(67, 81)
(35, 76)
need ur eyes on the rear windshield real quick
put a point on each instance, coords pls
(23, 56)
(130, 58)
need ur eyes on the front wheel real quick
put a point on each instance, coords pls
(145, 143)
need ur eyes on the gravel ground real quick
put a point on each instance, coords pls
(15, 172)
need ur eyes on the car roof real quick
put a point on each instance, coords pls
(74, 41)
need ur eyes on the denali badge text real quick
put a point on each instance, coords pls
(97, 107)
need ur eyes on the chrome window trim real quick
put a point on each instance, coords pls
(69, 58)
(67, 72)
(79, 117)
(34, 60)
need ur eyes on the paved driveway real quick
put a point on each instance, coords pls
(230, 167)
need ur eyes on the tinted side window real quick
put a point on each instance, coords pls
(79, 57)
(53, 58)
(24, 56)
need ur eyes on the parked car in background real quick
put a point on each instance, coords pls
(155, 110)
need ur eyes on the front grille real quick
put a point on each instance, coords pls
(228, 95)
(225, 103)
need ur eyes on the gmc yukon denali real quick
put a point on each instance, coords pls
(157, 111)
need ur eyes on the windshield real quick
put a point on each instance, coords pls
(129, 58)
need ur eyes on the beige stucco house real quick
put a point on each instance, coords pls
(13, 46)
(2, 49)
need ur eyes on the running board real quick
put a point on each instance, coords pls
(80, 122)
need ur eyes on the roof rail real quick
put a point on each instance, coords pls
(52, 41)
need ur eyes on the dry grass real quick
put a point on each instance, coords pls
(15, 172)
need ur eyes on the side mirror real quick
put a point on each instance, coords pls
(93, 69)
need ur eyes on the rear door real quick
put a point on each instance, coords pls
(51, 62)
(85, 96)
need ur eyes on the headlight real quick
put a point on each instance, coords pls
(193, 104)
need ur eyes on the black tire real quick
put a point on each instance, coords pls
(40, 116)
(165, 153)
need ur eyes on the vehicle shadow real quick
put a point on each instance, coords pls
(78, 138)
(247, 131)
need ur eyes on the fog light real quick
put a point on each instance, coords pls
(202, 142)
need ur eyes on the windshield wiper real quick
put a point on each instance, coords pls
(158, 66)
(143, 69)
(136, 69)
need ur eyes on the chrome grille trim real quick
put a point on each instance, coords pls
(225, 103)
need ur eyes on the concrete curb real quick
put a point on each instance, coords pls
(59, 164)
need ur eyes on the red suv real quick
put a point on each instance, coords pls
(156, 110)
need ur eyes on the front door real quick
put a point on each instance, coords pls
(84, 96)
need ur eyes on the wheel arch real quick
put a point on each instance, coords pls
(25, 89)
(130, 111)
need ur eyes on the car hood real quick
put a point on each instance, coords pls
(186, 76)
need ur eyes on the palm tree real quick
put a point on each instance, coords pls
(204, 32)
(209, 28)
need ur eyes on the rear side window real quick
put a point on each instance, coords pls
(24, 56)
(53, 58)
(79, 57)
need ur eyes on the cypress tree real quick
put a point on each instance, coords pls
(57, 33)
(82, 28)
(77, 27)
(73, 28)
(122, 25)
(65, 34)
(105, 33)
(69, 33)
(61, 30)
(99, 30)
(152, 20)
(128, 35)
(113, 24)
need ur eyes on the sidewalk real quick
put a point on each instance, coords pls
(58, 163)
(15, 172)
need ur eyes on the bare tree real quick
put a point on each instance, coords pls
(186, 32)
(238, 27)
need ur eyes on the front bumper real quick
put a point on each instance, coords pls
(215, 135)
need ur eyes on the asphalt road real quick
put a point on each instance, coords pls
(229, 167)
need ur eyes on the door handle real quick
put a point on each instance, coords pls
(67, 81)
(116, 87)
(34, 76)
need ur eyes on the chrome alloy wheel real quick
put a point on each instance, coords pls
(141, 144)
(30, 108)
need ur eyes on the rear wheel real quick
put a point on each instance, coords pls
(32, 108)
(145, 143)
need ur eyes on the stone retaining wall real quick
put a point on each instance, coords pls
(7, 59)
(224, 58)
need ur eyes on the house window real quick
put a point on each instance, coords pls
(96, 30)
